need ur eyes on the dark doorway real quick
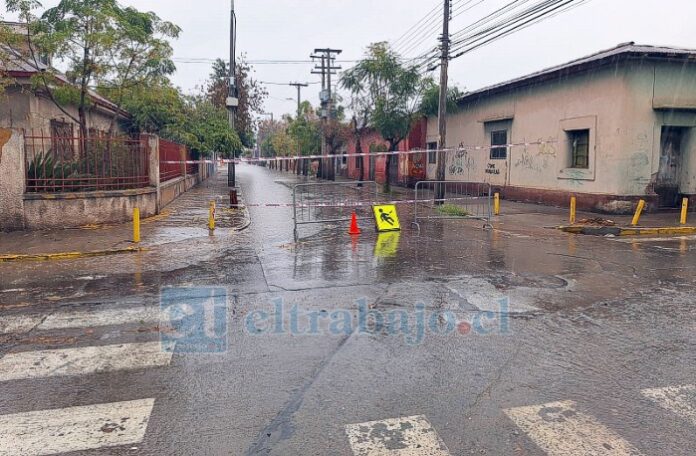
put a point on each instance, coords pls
(669, 172)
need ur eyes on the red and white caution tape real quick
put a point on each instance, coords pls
(364, 154)
(360, 203)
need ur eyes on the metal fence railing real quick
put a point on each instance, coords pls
(175, 159)
(71, 164)
(440, 200)
(170, 166)
(332, 202)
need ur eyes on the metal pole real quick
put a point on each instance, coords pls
(232, 101)
(442, 108)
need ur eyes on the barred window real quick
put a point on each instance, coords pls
(499, 138)
(432, 154)
(62, 139)
(579, 148)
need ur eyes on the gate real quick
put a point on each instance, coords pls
(460, 200)
(332, 202)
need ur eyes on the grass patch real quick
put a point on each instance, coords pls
(453, 210)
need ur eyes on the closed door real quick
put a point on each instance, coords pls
(669, 172)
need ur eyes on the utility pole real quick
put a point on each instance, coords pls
(299, 95)
(299, 86)
(442, 108)
(327, 68)
(232, 101)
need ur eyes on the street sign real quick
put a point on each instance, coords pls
(386, 218)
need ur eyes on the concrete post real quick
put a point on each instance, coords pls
(153, 151)
(12, 179)
(183, 157)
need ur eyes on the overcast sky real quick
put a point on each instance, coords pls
(291, 29)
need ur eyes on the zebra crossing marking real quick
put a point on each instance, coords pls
(83, 360)
(106, 317)
(405, 436)
(80, 428)
(678, 399)
(17, 324)
(559, 429)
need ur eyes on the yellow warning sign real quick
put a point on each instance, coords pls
(386, 218)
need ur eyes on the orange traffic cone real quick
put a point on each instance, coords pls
(354, 224)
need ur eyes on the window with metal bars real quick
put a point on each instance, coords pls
(62, 140)
(579, 148)
(432, 154)
(499, 138)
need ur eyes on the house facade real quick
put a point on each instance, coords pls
(406, 169)
(610, 128)
(25, 105)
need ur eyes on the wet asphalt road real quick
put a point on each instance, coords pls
(514, 341)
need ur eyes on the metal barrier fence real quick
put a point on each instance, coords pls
(63, 163)
(441, 200)
(332, 202)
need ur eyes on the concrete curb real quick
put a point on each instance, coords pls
(627, 231)
(68, 255)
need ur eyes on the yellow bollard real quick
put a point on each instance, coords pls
(496, 204)
(136, 225)
(639, 211)
(573, 207)
(685, 210)
(211, 216)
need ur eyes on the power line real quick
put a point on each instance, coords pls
(522, 20)
(417, 40)
(428, 16)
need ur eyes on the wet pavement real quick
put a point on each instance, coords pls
(520, 340)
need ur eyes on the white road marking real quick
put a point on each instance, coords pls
(406, 436)
(560, 430)
(678, 399)
(95, 318)
(83, 360)
(18, 324)
(75, 428)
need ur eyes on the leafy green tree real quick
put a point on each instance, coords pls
(392, 89)
(101, 42)
(306, 132)
(430, 102)
(251, 94)
(188, 119)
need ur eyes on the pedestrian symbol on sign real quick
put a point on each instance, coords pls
(386, 218)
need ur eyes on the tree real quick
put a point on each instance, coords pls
(251, 94)
(392, 89)
(101, 42)
(188, 119)
(306, 132)
(430, 101)
(141, 56)
(337, 133)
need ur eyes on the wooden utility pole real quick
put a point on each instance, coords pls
(327, 69)
(442, 107)
(299, 95)
(299, 86)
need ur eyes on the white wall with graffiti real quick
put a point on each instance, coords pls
(595, 132)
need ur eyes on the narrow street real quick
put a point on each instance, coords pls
(451, 341)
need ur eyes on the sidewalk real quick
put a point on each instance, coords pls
(184, 218)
